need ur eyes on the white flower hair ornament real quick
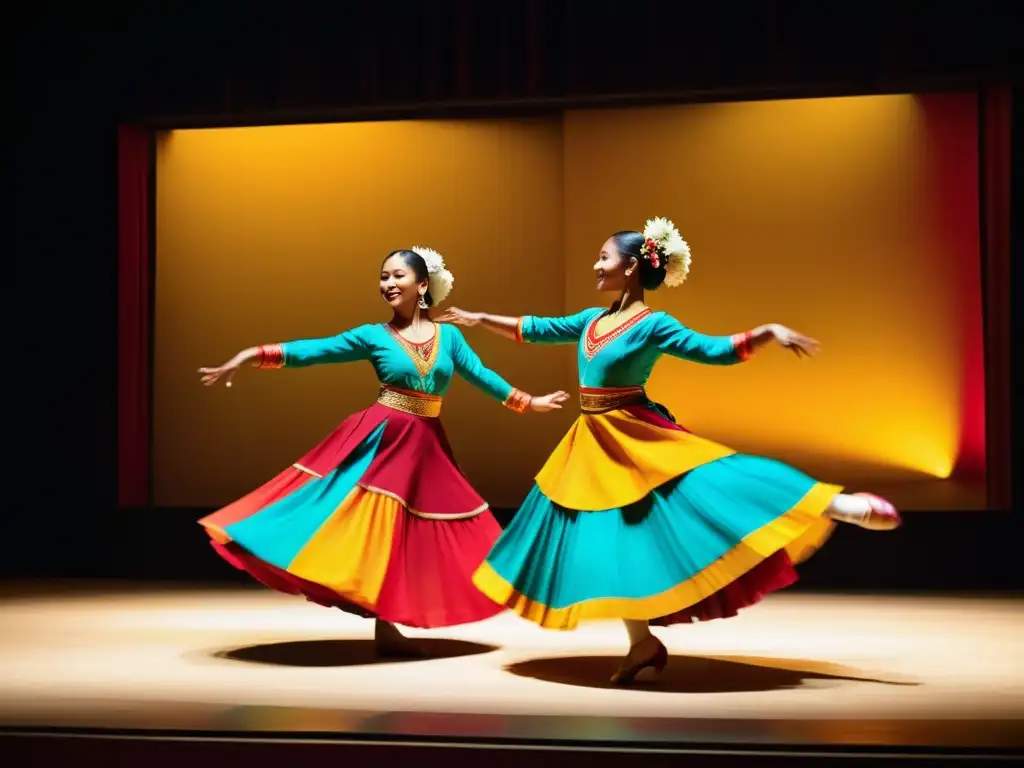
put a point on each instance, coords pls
(663, 245)
(439, 279)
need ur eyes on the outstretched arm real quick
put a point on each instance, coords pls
(499, 324)
(531, 329)
(674, 338)
(345, 347)
(469, 366)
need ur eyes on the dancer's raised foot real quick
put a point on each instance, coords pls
(882, 516)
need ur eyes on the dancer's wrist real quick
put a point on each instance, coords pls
(266, 356)
(519, 401)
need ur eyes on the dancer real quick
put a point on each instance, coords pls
(633, 517)
(378, 520)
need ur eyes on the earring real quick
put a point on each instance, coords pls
(423, 303)
(629, 272)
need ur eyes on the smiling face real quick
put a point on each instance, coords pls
(611, 267)
(398, 284)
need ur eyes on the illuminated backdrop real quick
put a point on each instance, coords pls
(853, 219)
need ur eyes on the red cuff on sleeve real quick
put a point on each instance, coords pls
(271, 356)
(741, 343)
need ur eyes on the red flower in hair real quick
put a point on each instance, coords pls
(650, 250)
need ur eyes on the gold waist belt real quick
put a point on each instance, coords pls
(593, 400)
(407, 401)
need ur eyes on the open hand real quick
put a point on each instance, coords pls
(457, 316)
(800, 345)
(211, 376)
(545, 403)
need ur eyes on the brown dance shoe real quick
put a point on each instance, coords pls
(649, 652)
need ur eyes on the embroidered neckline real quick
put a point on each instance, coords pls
(423, 354)
(594, 343)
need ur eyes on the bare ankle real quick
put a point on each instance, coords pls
(637, 630)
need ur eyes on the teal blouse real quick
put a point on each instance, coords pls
(625, 356)
(398, 363)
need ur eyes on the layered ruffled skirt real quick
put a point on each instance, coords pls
(377, 520)
(633, 517)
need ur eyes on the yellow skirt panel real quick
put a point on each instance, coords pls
(350, 552)
(613, 459)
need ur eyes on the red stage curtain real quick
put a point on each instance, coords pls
(995, 135)
(133, 318)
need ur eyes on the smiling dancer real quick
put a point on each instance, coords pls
(378, 520)
(633, 517)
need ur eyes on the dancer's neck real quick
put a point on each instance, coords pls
(417, 319)
(630, 303)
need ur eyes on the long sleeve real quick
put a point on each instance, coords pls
(554, 330)
(469, 366)
(674, 338)
(346, 347)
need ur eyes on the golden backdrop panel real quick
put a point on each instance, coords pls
(271, 234)
(818, 214)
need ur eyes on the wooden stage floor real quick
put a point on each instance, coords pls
(799, 669)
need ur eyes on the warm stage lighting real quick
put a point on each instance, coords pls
(854, 220)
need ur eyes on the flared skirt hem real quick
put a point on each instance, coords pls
(422, 587)
(762, 562)
(377, 521)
